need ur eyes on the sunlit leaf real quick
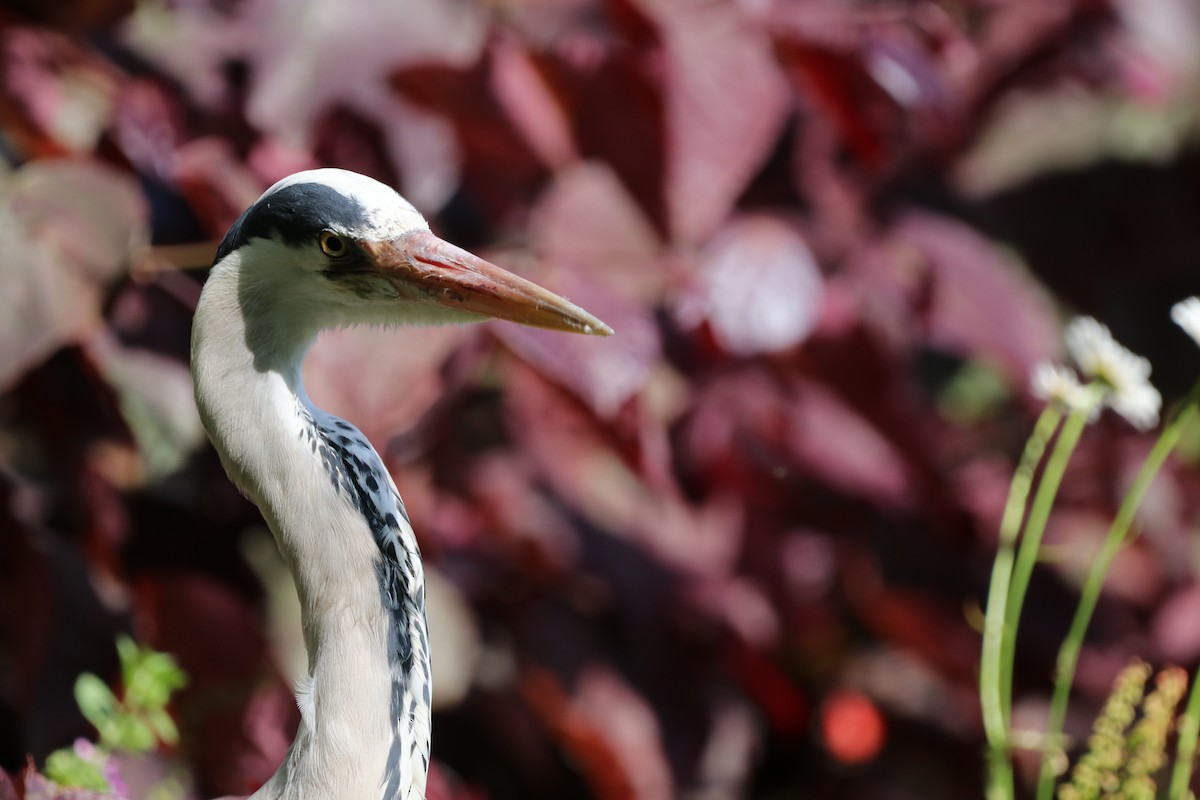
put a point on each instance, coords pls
(77, 226)
(68, 769)
(96, 700)
(758, 288)
(163, 726)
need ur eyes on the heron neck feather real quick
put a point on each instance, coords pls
(253, 405)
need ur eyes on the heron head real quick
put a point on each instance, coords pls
(339, 248)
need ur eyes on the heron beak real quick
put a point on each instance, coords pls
(451, 277)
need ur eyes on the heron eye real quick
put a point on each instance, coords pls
(333, 245)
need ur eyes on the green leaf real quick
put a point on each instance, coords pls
(69, 770)
(133, 734)
(129, 653)
(150, 677)
(163, 726)
(95, 699)
(974, 394)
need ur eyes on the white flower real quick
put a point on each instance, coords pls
(1186, 314)
(1056, 384)
(1124, 375)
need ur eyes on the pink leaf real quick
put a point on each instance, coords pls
(587, 220)
(603, 372)
(341, 51)
(1174, 626)
(8, 791)
(530, 105)
(628, 724)
(758, 288)
(78, 226)
(381, 380)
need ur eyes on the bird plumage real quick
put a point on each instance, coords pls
(318, 250)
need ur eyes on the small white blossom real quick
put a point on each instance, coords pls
(1138, 403)
(1124, 375)
(1056, 384)
(1186, 314)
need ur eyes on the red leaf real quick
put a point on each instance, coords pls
(529, 104)
(613, 100)
(836, 84)
(607, 728)
(763, 680)
(58, 90)
(383, 381)
(346, 138)
(147, 124)
(499, 168)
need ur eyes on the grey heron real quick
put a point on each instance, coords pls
(323, 249)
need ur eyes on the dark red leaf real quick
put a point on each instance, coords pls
(614, 101)
(969, 297)
(836, 446)
(498, 166)
(725, 103)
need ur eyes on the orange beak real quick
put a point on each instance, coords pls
(451, 277)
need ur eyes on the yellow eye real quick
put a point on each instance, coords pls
(333, 245)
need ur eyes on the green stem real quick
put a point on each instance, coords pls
(1031, 544)
(995, 718)
(1185, 753)
(1068, 654)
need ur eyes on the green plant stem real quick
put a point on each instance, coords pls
(1031, 544)
(1185, 753)
(995, 717)
(1068, 654)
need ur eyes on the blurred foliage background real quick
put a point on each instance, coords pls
(737, 550)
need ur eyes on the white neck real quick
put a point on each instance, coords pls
(252, 402)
